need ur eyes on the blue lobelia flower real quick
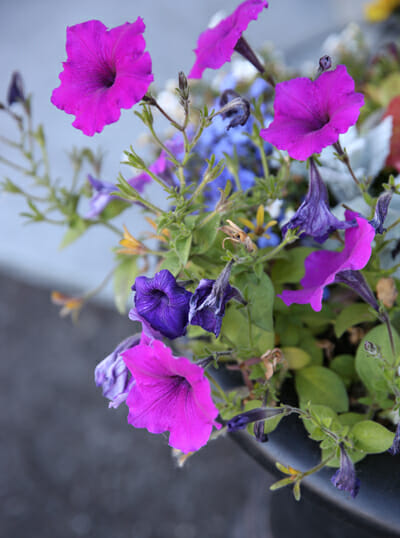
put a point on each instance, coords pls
(345, 477)
(314, 216)
(162, 303)
(112, 374)
(207, 304)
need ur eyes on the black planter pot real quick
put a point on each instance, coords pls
(323, 511)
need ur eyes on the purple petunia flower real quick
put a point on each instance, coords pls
(162, 303)
(310, 114)
(215, 46)
(102, 192)
(345, 477)
(207, 304)
(106, 70)
(314, 217)
(112, 374)
(170, 394)
(322, 266)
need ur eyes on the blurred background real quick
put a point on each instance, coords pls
(70, 466)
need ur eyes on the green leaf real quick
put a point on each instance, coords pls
(77, 227)
(172, 263)
(320, 412)
(204, 236)
(114, 208)
(259, 293)
(124, 276)
(349, 419)
(321, 386)
(237, 331)
(291, 268)
(352, 315)
(182, 247)
(343, 365)
(372, 437)
(369, 368)
(296, 357)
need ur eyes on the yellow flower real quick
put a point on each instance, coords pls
(379, 10)
(163, 236)
(259, 228)
(70, 305)
(131, 246)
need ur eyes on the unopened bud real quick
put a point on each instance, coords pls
(183, 85)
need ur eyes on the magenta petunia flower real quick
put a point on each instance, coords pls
(106, 70)
(310, 114)
(322, 266)
(170, 394)
(215, 46)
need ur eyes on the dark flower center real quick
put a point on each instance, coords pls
(160, 296)
(107, 76)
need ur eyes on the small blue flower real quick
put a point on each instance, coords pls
(162, 303)
(345, 477)
(207, 304)
(112, 374)
(314, 217)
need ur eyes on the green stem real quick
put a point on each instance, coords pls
(15, 166)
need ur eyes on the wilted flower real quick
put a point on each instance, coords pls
(112, 374)
(381, 209)
(325, 63)
(310, 114)
(170, 394)
(215, 46)
(207, 304)
(258, 231)
(322, 266)
(235, 108)
(16, 92)
(102, 192)
(314, 217)
(162, 303)
(239, 422)
(395, 448)
(345, 477)
(356, 281)
(106, 70)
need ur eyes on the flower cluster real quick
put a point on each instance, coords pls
(314, 302)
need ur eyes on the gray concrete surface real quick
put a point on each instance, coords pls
(70, 467)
